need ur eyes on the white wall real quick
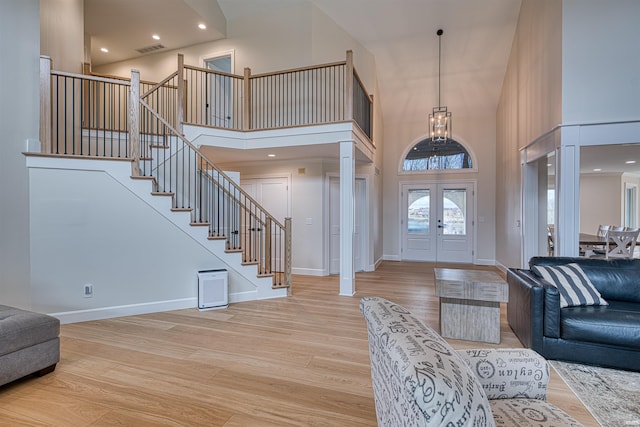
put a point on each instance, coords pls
(81, 234)
(601, 201)
(530, 105)
(62, 33)
(19, 121)
(600, 61)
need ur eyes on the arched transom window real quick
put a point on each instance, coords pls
(428, 155)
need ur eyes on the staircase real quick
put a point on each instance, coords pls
(95, 117)
(90, 116)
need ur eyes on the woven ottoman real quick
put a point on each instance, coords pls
(29, 343)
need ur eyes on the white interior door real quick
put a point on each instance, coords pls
(272, 193)
(437, 222)
(219, 102)
(334, 225)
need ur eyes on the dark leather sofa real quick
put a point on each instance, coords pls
(604, 335)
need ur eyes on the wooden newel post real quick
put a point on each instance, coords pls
(134, 123)
(246, 105)
(180, 106)
(45, 104)
(348, 85)
(269, 264)
(287, 255)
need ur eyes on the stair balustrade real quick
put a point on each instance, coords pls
(88, 115)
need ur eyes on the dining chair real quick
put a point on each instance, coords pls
(550, 246)
(621, 244)
(601, 232)
(616, 228)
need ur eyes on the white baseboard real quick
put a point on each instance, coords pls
(485, 262)
(309, 271)
(124, 310)
(253, 295)
(391, 258)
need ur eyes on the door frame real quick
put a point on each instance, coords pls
(286, 176)
(364, 250)
(474, 203)
(232, 68)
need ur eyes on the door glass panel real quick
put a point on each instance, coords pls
(418, 212)
(454, 210)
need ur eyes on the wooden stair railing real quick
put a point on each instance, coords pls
(215, 201)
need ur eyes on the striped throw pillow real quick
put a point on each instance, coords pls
(574, 286)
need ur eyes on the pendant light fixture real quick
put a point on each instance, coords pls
(440, 119)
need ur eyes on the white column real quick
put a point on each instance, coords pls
(347, 221)
(568, 193)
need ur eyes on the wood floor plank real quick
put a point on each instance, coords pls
(296, 361)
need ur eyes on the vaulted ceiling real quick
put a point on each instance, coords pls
(401, 34)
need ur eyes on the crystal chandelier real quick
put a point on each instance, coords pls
(440, 119)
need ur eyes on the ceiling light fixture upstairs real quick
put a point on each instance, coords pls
(630, 162)
(597, 170)
(155, 37)
(440, 119)
(202, 26)
(271, 155)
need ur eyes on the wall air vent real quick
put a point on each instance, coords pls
(149, 49)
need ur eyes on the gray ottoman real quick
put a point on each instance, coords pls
(29, 343)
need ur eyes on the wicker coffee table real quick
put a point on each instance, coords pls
(470, 303)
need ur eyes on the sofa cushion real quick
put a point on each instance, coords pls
(529, 412)
(573, 284)
(416, 374)
(615, 279)
(615, 324)
(21, 329)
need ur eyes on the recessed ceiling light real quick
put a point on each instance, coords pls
(155, 37)
(630, 162)
(271, 155)
(104, 49)
(597, 170)
(202, 26)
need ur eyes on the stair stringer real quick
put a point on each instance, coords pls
(142, 189)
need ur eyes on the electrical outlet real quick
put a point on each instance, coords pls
(88, 290)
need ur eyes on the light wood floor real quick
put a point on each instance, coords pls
(297, 361)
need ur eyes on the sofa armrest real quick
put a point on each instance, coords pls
(551, 310)
(509, 373)
(525, 310)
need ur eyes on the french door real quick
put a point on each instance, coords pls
(437, 222)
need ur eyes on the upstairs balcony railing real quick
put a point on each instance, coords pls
(328, 93)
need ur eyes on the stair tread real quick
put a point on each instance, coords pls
(181, 209)
(199, 224)
(217, 238)
(162, 193)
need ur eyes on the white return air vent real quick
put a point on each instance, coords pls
(213, 289)
(149, 49)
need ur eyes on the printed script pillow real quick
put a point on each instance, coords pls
(574, 286)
